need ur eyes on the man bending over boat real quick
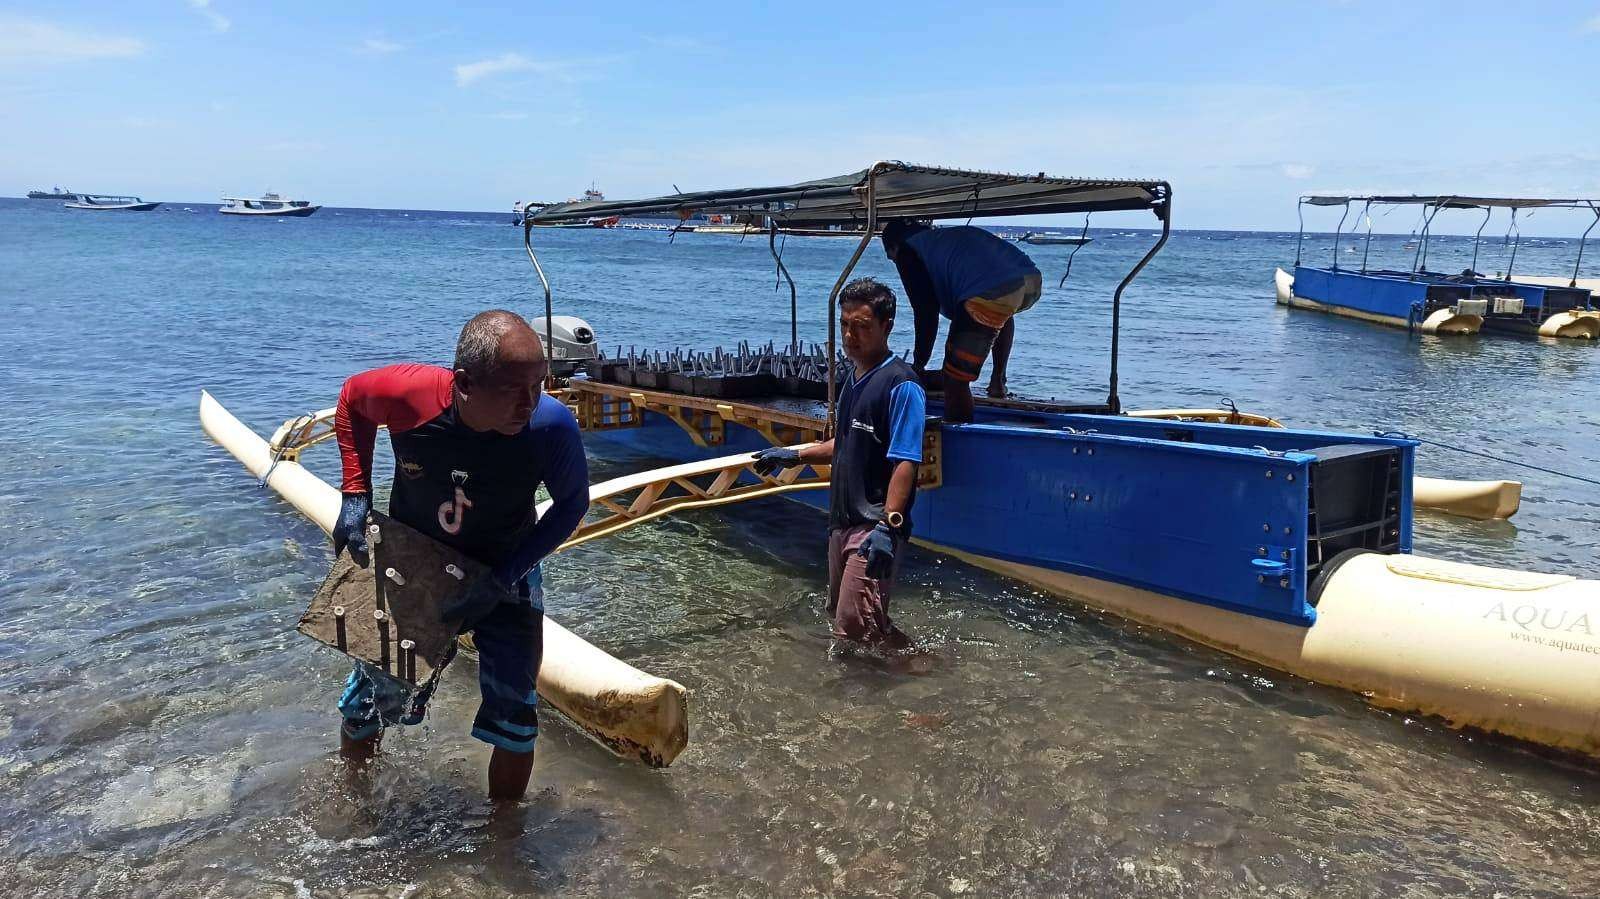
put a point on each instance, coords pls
(874, 454)
(976, 280)
(471, 447)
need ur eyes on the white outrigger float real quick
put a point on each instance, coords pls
(1286, 547)
(634, 714)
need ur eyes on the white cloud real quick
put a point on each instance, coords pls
(31, 40)
(219, 22)
(1592, 26)
(566, 70)
(378, 46)
(1297, 171)
(505, 63)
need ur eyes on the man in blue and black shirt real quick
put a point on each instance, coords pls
(979, 282)
(875, 451)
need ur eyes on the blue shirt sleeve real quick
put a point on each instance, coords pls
(907, 412)
(566, 476)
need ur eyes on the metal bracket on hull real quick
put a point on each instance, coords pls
(299, 434)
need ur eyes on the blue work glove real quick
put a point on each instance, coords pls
(771, 460)
(878, 550)
(482, 596)
(351, 528)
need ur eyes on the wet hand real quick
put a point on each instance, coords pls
(878, 550)
(350, 531)
(771, 460)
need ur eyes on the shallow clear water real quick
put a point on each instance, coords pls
(164, 731)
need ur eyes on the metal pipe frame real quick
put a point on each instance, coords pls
(549, 315)
(833, 295)
(1487, 211)
(1420, 260)
(1336, 232)
(1366, 245)
(794, 296)
(1516, 241)
(1579, 264)
(1164, 212)
(1300, 236)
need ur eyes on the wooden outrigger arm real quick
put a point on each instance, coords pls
(637, 498)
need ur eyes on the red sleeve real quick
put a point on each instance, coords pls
(398, 397)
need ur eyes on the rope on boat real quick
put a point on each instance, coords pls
(1461, 449)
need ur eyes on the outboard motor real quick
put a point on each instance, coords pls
(573, 341)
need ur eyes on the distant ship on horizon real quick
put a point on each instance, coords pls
(56, 194)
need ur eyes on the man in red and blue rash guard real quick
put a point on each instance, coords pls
(471, 446)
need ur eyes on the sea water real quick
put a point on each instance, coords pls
(164, 731)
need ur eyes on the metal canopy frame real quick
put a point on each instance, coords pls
(1432, 204)
(888, 189)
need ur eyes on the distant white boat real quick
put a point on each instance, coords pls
(268, 203)
(110, 203)
(1054, 239)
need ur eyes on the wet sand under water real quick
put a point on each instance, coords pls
(165, 732)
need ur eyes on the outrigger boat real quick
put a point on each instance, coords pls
(110, 203)
(1287, 547)
(1053, 239)
(1434, 302)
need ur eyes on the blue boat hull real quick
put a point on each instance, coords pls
(1221, 515)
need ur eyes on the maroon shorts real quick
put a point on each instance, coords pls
(860, 604)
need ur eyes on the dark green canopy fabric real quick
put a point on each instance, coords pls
(902, 190)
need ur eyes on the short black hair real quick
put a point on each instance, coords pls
(897, 231)
(873, 293)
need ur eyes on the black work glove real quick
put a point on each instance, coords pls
(771, 460)
(878, 550)
(482, 596)
(351, 528)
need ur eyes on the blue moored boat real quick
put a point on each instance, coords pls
(1434, 302)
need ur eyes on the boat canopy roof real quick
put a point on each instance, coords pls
(1451, 202)
(902, 190)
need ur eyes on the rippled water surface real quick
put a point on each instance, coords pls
(163, 731)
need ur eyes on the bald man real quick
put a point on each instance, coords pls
(472, 445)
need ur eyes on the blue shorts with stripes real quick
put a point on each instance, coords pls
(510, 643)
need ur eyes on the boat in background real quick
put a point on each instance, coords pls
(268, 203)
(1053, 240)
(110, 203)
(56, 194)
(1434, 302)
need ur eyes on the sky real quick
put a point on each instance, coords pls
(1243, 106)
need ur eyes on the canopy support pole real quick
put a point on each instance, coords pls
(1336, 232)
(1420, 260)
(833, 295)
(1164, 212)
(1487, 211)
(1516, 241)
(794, 297)
(549, 315)
(1366, 245)
(1579, 264)
(1300, 236)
